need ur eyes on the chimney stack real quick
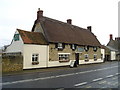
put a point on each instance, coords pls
(69, 21)
(89, 28)
(39, 14)
(111, 37)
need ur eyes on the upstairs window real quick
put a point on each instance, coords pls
(60, 46)
(73, 46)
(16, 37)
(95, 49)
(86, 48)
(95, 57)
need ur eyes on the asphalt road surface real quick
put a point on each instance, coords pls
(104, 75)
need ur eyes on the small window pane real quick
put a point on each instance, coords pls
(35, 57)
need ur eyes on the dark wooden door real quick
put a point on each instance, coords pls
(77, 58)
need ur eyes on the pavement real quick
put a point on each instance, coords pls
(41, 70)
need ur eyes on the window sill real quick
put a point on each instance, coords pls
(35, 63)
(64, 60)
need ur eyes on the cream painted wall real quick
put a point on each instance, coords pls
(15, 46)
(42, 50)
(90, 61)
(113, 55)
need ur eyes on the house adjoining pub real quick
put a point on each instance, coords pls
(53, 43)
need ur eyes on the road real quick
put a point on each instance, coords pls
(104, 75)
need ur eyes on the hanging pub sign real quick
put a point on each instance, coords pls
(80, 49)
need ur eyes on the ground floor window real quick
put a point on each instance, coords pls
(101, 56)
(95, 57)
(86, 57)
(64, 57)
(35, 59)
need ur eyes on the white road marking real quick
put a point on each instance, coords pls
(97, 79)
(80, 84)
(117, 73)
(51, 77)
(110, 76)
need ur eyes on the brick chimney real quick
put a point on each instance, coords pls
(69, 21)
(89, 28)
(111, 37)
(39, 14)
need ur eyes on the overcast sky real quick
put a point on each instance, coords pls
(102, 15)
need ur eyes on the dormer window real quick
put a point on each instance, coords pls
(86, 48)
(16, 37)
(73, 46)
(60, 46)
(95, 49)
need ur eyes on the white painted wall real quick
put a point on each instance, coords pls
(15, 46)
(113, 55)
(42, 50)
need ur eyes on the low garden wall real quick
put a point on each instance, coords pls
(12, 63)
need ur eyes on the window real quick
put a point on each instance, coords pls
(95, 49)
(35, 59)
(16, 37)
(64, 57)
(86, 57)
(95, 57)
(73, 46)
(60, 46)
(101, 56)
(86, 48)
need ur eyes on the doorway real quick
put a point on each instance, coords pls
(77, 58)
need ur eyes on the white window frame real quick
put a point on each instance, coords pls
(60, 46)
(101, 56)
(35, 55)
(73, 46)
(86, 55)
(64, 56)
(95, 57)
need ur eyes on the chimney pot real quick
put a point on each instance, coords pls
(111, 37)
(39, 13)
(89, 28)
(69, 21)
